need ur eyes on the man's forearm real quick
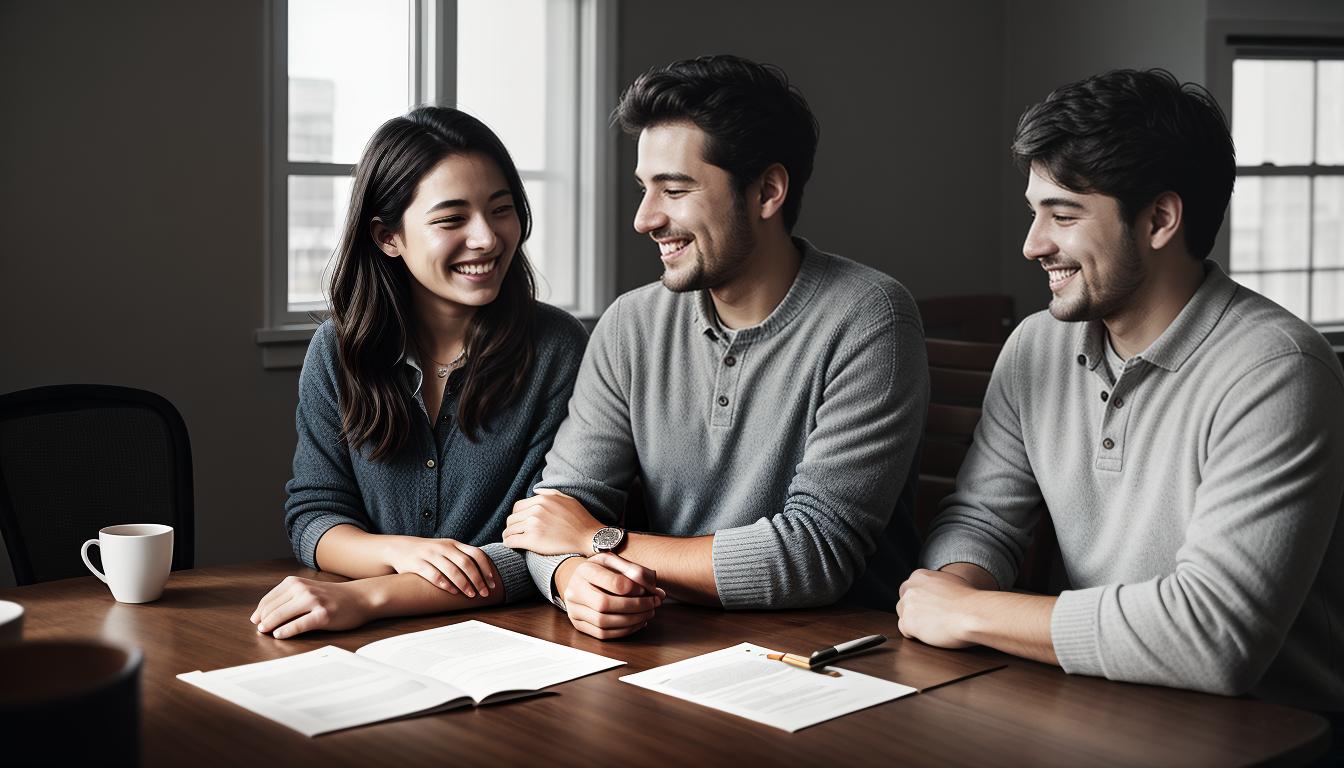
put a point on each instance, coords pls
(1011, 622)
(685, 566)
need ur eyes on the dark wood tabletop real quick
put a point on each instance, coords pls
(999, 710)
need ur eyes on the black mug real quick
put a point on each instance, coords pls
(69, 702)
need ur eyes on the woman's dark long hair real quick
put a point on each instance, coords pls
(370, 293)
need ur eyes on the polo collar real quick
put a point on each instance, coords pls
(811, 270)
(1178, 342)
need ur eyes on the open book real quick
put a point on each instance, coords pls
(469, 663)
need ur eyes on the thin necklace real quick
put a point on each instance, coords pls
(441, 370)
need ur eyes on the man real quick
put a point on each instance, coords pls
(1185, 434)
(769, 396)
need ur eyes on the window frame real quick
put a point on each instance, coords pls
(284, 335)
(1228, 40)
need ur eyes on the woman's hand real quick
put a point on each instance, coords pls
(551, 523)
(298, 605)
(447, 564)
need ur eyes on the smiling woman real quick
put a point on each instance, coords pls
(435, 332)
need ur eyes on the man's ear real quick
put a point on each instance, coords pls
(1165, 220)
(386, 239)
(774, 190)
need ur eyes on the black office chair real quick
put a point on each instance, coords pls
(76, 458)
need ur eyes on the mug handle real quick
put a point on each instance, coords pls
(84, 553)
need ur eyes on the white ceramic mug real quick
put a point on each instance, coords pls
(11, 622)
(136, 560)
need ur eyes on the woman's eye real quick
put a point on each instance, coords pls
(449, 220)
(674, 192)
(1064, 219)
(504, 209)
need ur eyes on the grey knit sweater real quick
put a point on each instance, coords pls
(792, 441)
(1196, 498)
(441, 484)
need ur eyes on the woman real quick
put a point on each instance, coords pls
(429, 399)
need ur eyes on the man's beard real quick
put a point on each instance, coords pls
(1127, 274)
(711, 270)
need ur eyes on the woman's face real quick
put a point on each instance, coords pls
(458, 235)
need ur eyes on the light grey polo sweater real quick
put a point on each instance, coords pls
(1196, 498)
(792, 441)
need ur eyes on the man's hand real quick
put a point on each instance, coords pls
(609, 597)
(551, 523)
(933, 608)
(298, 605)
(448, 564)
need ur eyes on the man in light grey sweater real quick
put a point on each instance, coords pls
(770, 396)
(1185, 434)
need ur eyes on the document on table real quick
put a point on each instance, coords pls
(742, 681)
(464, 664)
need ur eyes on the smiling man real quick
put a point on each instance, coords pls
(1185, 434)
(770, 396)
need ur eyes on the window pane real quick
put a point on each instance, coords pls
(1327, 234)
(508, 92)
(316, 213)
(1330, 112)
(1272, 111)
(553, 259)
(349, 71)
(1327, 296)
(1270, 222)
(1289, 289)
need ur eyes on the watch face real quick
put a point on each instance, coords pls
(607, 538)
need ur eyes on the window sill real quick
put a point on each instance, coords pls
(284, 347)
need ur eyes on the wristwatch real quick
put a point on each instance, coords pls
(608, 540)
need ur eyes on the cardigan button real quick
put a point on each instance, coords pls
(730, 361)
(723, 400)
(430, 463)
(426, 514)
(1104, 396)
(1082, 359)
(1108, 443)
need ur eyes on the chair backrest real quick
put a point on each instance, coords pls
(986, 317)
(80, 457)
(959, 373)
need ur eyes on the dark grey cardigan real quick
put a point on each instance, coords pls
(441, 484)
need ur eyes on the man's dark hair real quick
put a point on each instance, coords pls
(1134, 135)
(752, 117)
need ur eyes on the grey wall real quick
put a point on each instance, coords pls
(131, 181)
(908, 96)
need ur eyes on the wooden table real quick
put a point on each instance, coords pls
(1019, 713)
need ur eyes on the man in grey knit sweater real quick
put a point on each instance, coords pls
(771, 397)
(1185, 434)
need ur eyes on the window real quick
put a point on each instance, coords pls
(539, 72)
(1286, 218)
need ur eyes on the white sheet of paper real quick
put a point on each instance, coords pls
(482, 659)
(324, 690)
(742, 681)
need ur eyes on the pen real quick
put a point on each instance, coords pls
(853, 646)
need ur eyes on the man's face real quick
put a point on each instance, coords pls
(691, 209)
(1089, 254)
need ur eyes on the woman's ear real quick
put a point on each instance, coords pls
(387, 240)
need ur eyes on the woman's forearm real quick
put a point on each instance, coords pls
(348, 551)
(407, 594)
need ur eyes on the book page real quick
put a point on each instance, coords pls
(325, 690)
(482, 659)
(742, 681)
